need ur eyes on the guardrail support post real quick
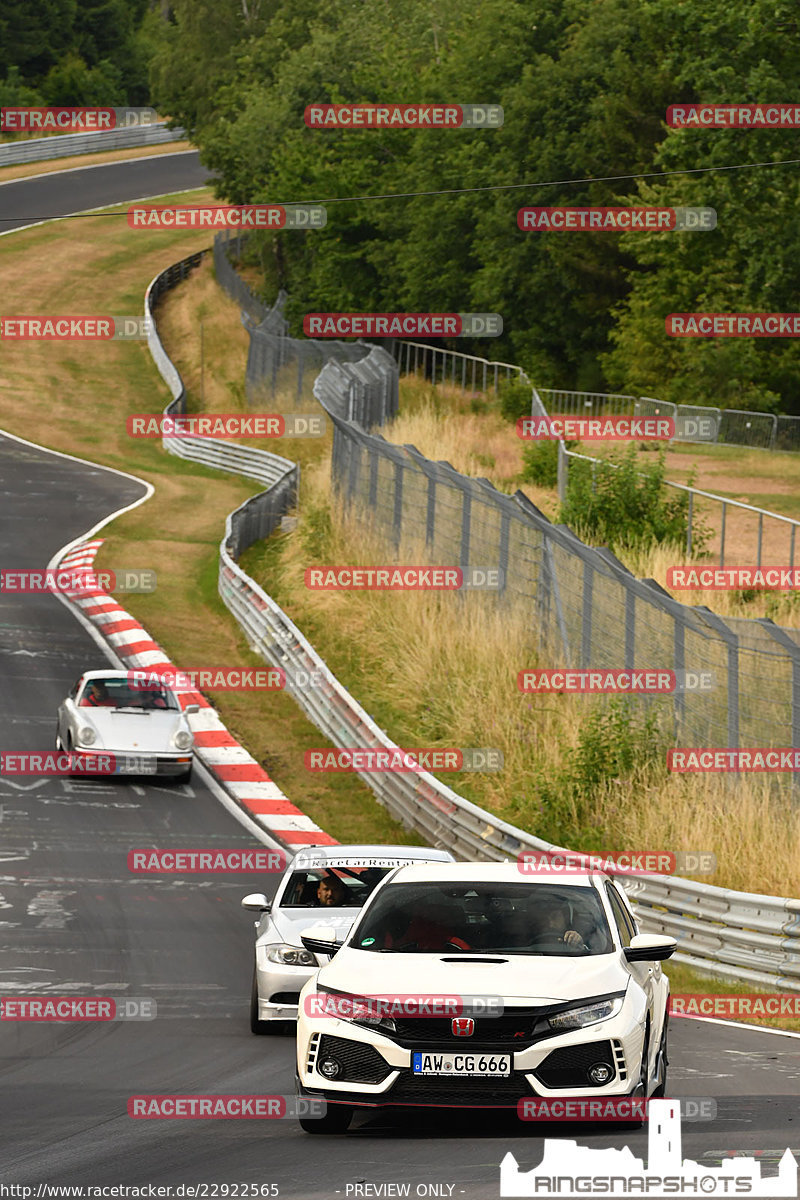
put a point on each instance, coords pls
(586, 622)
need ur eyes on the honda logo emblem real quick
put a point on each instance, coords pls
(462, 1026)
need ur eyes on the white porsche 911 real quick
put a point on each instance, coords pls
(143, 727)
(474, 985)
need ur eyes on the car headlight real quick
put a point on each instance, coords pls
(359, 1010)
(590, 1014)
(290, 956)
(87, 736)
(183, 739)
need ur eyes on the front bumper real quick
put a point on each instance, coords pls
(376, 1071)
(132, 762)
(279, 989)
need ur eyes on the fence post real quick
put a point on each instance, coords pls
(397, 522)
(586, 621)
(689, 528)
(563, 471)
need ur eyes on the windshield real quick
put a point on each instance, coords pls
(120, 693)
(484, 918)
(336, 887)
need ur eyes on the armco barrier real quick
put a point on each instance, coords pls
(738, 935)
(61, 145)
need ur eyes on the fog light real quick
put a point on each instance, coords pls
(600, 1073)
(329, 1067)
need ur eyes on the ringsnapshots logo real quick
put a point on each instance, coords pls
(392, 325)
(151, 861)
(74, 329)
(733, 116)
(228, 1107)
(721, 758)
(77, 581)
(617, 862)
(403, 116)
(614, 681)
(399, 579)
(226, 425)
(227, 216)
(568, 1169)
(610, 1108)
(357, 758)
(598, 429)
(77, 1008)
(30, 119)
(732, 325)
(616, 220)
(726, 579)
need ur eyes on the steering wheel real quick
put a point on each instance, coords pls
(551, 943)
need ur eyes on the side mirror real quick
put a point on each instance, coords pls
(192, 708)
(256, 902)
(320, 939)
(649, 947)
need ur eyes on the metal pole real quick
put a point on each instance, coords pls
(791, 547)
(722, 536)
(689, 530)
(760, 535)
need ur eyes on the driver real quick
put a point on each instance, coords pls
(96, 696)
(553, 919)
(331, 891)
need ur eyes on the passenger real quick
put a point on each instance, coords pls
(96, 696)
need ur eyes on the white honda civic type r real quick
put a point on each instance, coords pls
(473, 984)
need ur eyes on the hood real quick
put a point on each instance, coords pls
(519, 978)
(150, 730)
(289, 924)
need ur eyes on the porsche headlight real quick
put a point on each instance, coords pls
(590, 1014)
(87, 736)
(183, 739)
(290, 956)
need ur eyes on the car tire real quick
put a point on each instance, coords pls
(257, 1026)
(336, 1120)
(58, 740)
(663, 1062)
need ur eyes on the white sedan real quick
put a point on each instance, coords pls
(334, 880)
(473, 984)
(142, 726)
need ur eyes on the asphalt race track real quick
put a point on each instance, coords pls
(73, 920)
(26, 201)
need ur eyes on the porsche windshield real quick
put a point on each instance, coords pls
(484, 918)
(122, 693)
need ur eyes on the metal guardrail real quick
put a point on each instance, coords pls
(61, 145)
(738, 935)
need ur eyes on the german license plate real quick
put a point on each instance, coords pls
(132, 764)
(425, 1063)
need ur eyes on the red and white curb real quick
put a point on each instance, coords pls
(232, 766)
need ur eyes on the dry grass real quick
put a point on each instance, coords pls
(435, 669)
